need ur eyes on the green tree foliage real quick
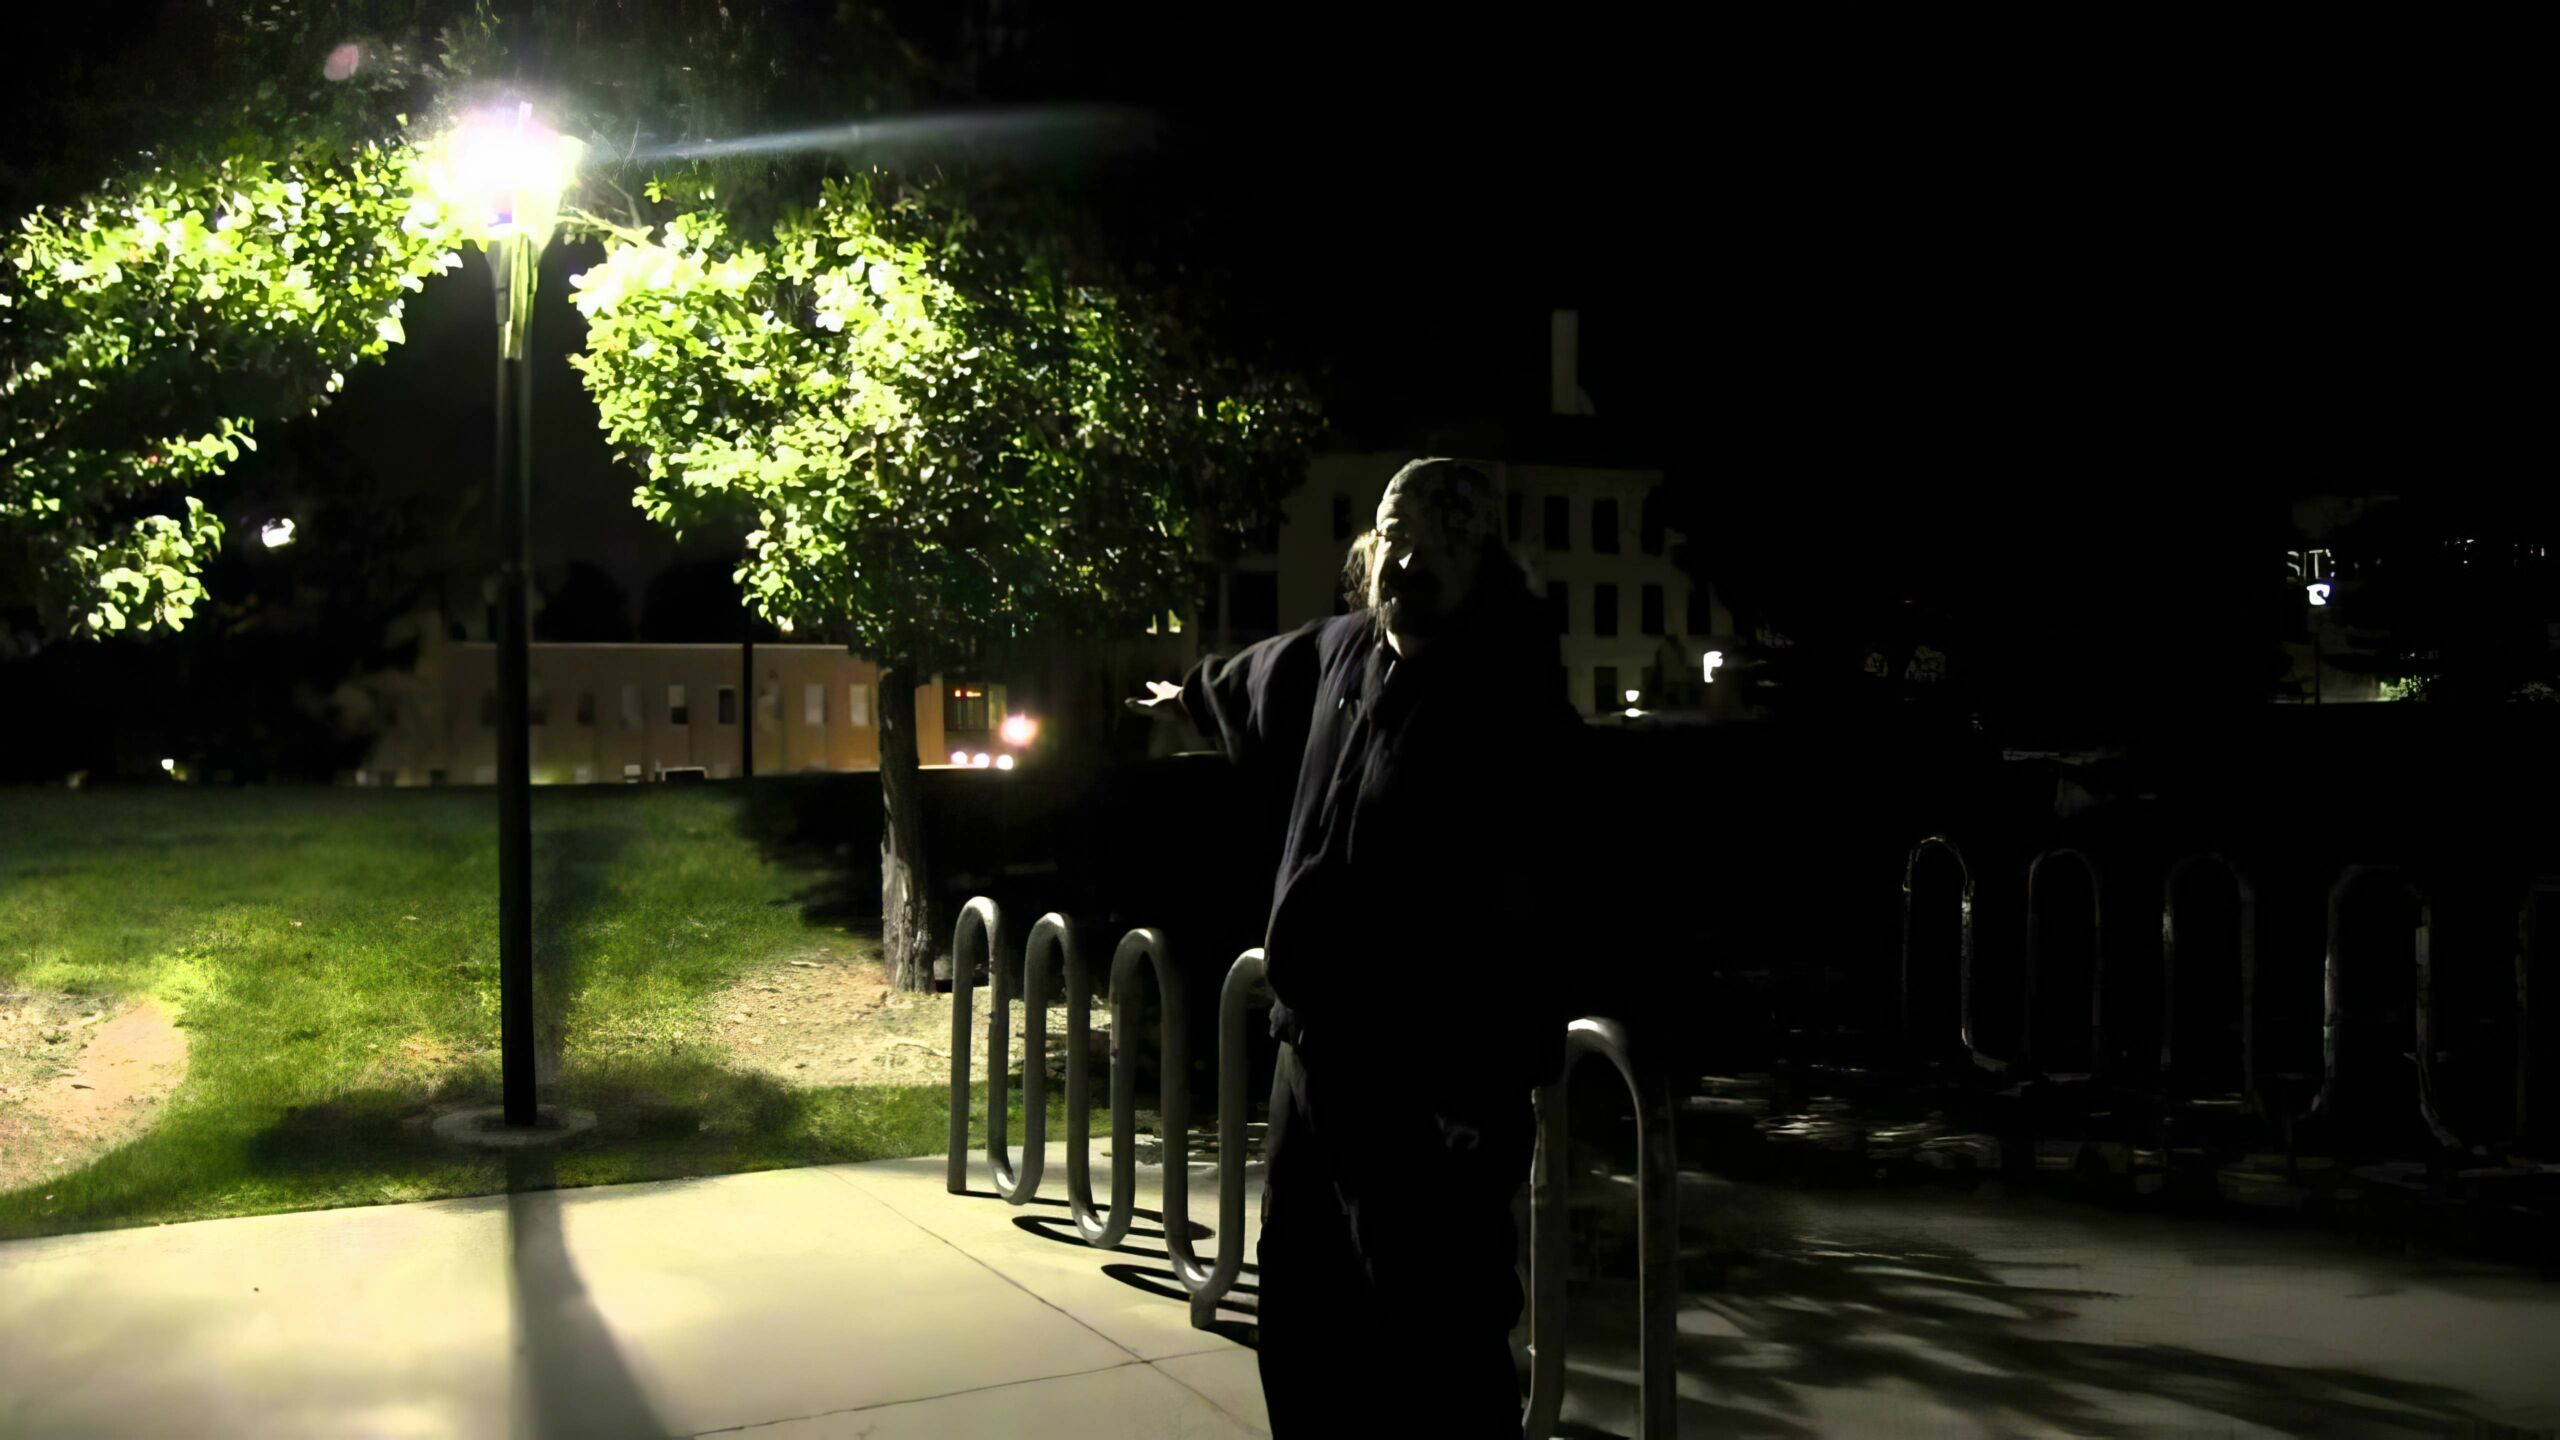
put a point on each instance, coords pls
(150, 326)
(949, 431)
(953, 427)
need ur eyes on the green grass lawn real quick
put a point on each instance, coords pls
(333, 957)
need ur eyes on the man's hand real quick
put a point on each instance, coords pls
(1164, 700)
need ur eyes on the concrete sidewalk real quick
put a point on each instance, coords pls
(846, 1300)
(864, 1300)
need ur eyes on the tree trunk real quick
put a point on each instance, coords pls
(910, 934)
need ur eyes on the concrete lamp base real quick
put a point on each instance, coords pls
(486, 1127)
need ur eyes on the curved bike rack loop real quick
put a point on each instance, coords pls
(981, 933)
(1964, 952)
(2333, 1016)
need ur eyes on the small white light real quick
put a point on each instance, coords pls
(1018, 730)
(1633, 712)
(959, 757)
(277, 532)
(1714, 659)
(169, 765)
(2319, 593)
(1004, 762)
(979, 760)
(1631, 697)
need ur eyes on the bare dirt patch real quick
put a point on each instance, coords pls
(79, 1076)
(829, 1018)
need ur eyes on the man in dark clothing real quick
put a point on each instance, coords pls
(1417, 949)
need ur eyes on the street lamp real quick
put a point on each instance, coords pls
(500, 172)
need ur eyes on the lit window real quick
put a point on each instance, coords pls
(964, 708)
(813, 705)
(857, 705)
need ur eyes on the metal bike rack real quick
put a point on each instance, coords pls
(2333, 1002)
(1657, 1237)
(2097, 960)
(981, 933)
(1964, 961)
(2248, 894)
(1053, 933)
(982, 921)
(1244, 979)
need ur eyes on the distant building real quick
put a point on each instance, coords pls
(1582, 514)
(617, 713)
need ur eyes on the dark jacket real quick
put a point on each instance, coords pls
(1432, 859)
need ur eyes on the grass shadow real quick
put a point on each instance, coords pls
(828, 825)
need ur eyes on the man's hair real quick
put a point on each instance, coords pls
(1502, 577)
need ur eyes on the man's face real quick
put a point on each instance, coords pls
(1422, 579)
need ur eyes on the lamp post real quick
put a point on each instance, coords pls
(502, 172)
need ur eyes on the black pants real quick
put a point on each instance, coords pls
(1388, 1255)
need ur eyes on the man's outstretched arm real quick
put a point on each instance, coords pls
(1256, 703)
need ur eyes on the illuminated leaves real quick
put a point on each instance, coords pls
(149, 323)
(926, 417)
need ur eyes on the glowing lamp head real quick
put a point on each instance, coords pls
(1631, 697)
(979, 760)
(959, 757)
(1017, 730)
(169, 765)
(1714, 659)
(276, 533)
(501, 172)
(2319, 591)
(1004, 762)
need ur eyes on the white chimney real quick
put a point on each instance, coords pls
(1565, 394)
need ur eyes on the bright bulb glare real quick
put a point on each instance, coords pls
(169, 765)
(277, 532)
(1631, 697)
(1633, 712)
(2320, 593)
(1004, 762)
(979, 760)
(1714, 659)
(1018, 730)
(959, 757)
(504, 171)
